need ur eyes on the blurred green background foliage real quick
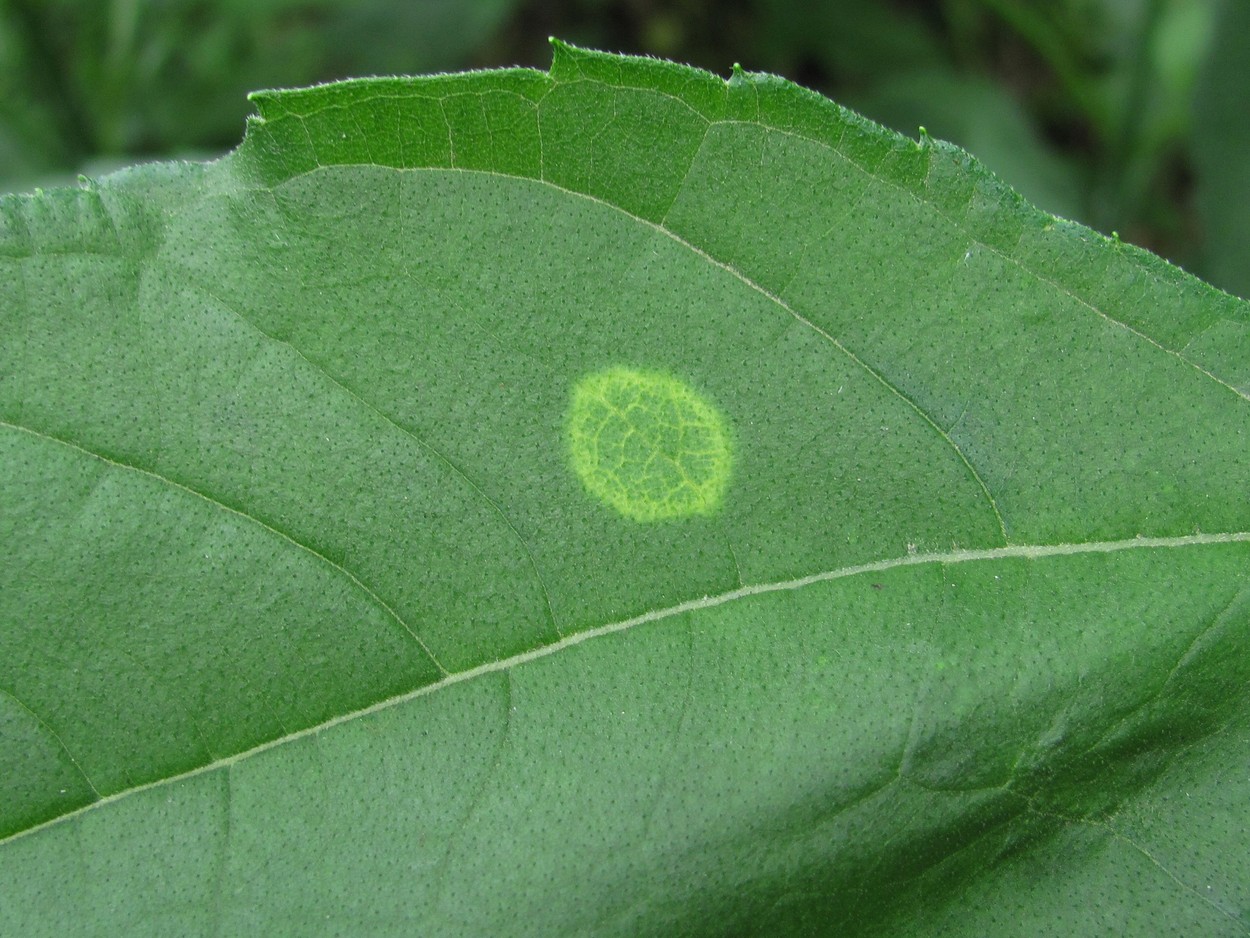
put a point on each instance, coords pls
(1129, 115)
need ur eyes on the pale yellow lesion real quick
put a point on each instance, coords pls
(648, 445)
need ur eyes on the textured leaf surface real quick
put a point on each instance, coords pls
(310, 625)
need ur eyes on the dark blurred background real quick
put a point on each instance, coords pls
(1128, 115)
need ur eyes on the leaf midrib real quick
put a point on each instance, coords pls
(991, 554)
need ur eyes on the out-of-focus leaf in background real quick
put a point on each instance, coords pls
(88, 85)
(988, 121)
(1222, 153)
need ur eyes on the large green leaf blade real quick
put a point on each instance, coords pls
(975, 597)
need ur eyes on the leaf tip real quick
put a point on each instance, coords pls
(563, 56)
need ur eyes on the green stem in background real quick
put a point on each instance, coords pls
(1122, 171)
(1039, 31)
(118, 64)
(49, 75)
(1123, 178)
(963, 19)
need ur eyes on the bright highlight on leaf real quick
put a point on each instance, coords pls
(648, 445)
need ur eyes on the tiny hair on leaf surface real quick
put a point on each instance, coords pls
(612, 500)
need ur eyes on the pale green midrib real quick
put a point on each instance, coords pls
(1019, 551)
(182, 487)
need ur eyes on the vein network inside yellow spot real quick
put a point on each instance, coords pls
(648, 445)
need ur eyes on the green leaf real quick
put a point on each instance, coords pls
(336, 600)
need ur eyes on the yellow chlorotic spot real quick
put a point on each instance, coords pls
(648, 445)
